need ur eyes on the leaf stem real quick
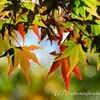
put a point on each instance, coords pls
(17, 42)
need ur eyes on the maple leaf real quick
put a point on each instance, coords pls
(65, 68)
(77, 72)
(74, 52)
(93, 11)
(54, 66)
(36, 31)
(23, 56)
(21, 30)
(64, 71)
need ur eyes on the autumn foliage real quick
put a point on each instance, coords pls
(79, 19)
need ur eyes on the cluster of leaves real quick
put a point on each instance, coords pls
(78, 18)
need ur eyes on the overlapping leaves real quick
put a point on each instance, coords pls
(72, 53)
(52, 18)
(64, 63)
(75, 53)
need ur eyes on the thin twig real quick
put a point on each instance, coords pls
(17, 42)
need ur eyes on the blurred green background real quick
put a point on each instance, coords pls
(52, 88)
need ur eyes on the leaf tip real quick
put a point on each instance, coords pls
(77, 72)
(47, 74)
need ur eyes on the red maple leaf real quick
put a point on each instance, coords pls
(21, 30)
(65, 65)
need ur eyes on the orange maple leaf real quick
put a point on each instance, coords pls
(22, 57)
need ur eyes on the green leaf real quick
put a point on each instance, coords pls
(68, 50)
(82, 28)
(4, 2)
(82, 12)
(1, 8)
(38, 22)
(1, 48)
(89, 17)
(92, 7)
(76, 8)
(69, 43)
(95, 29)
(23, 18)
(91, 3)
(68, 24)
(93, 11)
(77, 3)
(82, 54)
(66, 53)
(98, 63)
(29, 5)
(74, 16)
(74, 59)
(76, 30)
